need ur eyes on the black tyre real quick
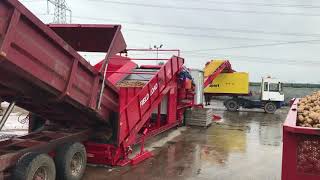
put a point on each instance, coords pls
(71, 160)
(270, 107)
(232, 105)
(35, 166)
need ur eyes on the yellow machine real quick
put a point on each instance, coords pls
(229, 83)
(221, 80)
(212, 66)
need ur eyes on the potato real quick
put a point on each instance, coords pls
(313, 115)
(300, 109)
(131, 83)
(309, 121)
(307, 107)
(309, 111)
(306, 113)
(301, 118)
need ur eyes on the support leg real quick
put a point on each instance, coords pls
(159, 115)
(143, 155)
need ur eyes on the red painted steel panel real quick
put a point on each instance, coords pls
(114, 63)
(39, 64)
(90, 37)
(162, 79)
(123, 93)
(168, 71)
(154, 93)
(133, 113)
(175, 65)
(114, 78)
(129, 116)
(5, 15)
(172, 112)
(145, 101)
(132, 92)
(180, 62)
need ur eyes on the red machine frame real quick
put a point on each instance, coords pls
(136, 106)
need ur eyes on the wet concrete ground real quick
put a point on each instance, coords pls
(17, 123)
(245, 145)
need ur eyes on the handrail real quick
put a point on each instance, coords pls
(149, 59)
(130, 72)
(155, 50)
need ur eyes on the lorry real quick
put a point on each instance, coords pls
(222, 80)
(80, 113)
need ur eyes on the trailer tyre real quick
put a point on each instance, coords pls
(232, 105)
(71, 160)
(35, 166)
(270, 108)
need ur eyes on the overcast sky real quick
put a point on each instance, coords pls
(263, 37)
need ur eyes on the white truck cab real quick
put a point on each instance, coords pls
(271, 90)
(271, 98)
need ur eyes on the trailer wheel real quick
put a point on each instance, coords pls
(232, 105)
(270, 108)
(71, 160)
(35, 166)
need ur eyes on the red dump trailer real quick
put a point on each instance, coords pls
(301, 149)
(45, 71)
(87, 113)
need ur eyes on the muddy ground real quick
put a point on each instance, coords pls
(245, 145)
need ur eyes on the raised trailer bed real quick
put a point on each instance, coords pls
(42, 72)
(301, 149)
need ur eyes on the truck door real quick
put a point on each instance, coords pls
(272, 92)
(265, 91)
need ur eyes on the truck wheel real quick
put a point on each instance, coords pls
(270, 107)
(232, 105)
(71, 160)
(35, 166)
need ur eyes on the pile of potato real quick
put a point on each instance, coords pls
(131, 83)
(309, 111)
